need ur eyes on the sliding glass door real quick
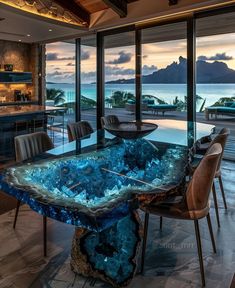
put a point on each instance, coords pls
(119, 71)
(60, 87)
(88, 97)
(216, 74)
(164, 77)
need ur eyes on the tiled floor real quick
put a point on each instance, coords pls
(171, 259)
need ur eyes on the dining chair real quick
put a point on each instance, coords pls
(194, 205)
(202, 148)
(110, 119)
(78, 130)
(26, 147)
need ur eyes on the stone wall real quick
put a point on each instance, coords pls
(25, 58)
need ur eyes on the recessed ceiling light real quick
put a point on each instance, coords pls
(19, 40)
(28, 35)
(50, 30)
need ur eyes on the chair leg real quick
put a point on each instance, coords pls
(222, 191)
(16, 214)
(45, 235)
(161, 223)
(146, 221)
(211, 232)
(216, 204)
(199, 249)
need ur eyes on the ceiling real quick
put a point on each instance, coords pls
(92, 6)
(16, 27)
(18, 22)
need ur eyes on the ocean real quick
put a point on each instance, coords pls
(166, 92)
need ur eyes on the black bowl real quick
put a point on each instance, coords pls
(130, 130)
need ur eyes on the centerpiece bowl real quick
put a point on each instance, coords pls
(130, 130)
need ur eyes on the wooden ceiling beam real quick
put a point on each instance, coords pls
(118, 6)
(75, 9)
(173, 2)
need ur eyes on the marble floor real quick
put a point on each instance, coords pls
(171, 259)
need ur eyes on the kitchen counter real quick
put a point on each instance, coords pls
(6, 111)
(17, 120)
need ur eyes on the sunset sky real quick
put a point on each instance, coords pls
(120, 62)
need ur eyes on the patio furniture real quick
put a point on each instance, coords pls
(109, 119)
(148, 105)
(131, 107)
(78, 130)
(203, 148)
(227, 110)
(193, 206)
(163, 108)
(26, 147)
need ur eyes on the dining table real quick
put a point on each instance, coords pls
(98, 183)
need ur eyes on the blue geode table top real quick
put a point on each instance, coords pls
(95, 189)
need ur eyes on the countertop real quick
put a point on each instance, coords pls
(9, 111)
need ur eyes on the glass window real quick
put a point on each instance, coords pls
(88, 80)
(215, 50)
(120, 75)
(60, 87)
(164, 75)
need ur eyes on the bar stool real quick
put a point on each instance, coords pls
(38, 124)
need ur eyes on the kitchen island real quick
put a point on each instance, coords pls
(17, 120)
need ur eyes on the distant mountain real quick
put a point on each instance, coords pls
(176, 73)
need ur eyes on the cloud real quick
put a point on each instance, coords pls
(124, 57)
(55, 57)
(149, 69)
(216, 57)
(91, 74)
(119, 71)
(85, 55)
(60, 77)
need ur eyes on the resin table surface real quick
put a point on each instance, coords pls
(93, 182)
(96, 187)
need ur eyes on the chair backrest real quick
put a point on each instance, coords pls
(198, 191)
(221, 138)
(78, 130)
(30, 145)
(110, 119)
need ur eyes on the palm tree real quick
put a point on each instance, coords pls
(57, 95)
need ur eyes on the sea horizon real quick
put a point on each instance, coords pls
(167, 92)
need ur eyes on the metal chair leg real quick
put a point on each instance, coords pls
(45, 235)
(222, 191)
(211, 232)
(161, 223)
(216, 204)
(146, 221)
(16, 214)
(199, 249)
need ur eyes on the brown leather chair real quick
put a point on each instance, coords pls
(26, 147)
(202, 148)
(194, 205)
(110, 119)
(78, 130)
